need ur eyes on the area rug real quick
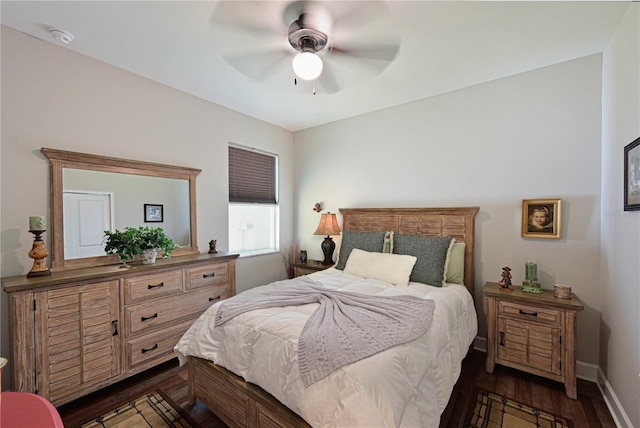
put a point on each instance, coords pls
(495, 411)
(152, 410)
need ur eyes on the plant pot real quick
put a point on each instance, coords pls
(149, 256)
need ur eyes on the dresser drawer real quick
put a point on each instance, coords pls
(143, 288)
(154, 348)
(529, 312)
(167, 310)
(205, 275)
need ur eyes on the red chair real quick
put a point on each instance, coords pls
(24, 410)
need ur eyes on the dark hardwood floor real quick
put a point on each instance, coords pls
(588, 411)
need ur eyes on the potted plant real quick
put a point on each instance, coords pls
(131, 241)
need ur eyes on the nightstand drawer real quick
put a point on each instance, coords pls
(528, 312)
(529, 344)
(304, 271)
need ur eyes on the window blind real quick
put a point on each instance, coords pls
(252, 176)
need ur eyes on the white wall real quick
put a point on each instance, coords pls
(52, 97)
(620, 272)
(534, 135)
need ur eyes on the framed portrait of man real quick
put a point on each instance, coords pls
(542, 218)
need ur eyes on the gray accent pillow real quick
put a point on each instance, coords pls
(431, 252)
(367, 241)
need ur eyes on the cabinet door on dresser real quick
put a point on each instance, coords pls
(77, 335)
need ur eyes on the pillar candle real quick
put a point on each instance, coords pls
(37, 223)
(531, 271)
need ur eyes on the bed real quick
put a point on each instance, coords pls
(406, 385)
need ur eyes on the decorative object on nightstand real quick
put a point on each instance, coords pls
(562, 291)
(38, 251)
(310, 266)
(506, 278)
(303, 256)
(530, 283)
(531, 332)
(328, 226)
(212, 246)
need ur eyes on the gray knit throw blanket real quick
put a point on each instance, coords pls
(345, 328)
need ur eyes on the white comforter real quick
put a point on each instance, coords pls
(406, 386)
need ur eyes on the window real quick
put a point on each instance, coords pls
(253, 201)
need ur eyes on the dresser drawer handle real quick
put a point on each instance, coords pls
(211, 275)
(114, 324)
(533, 314)
(214, 299)
(143, 319)
(502, 338)
(151, 287)
(145, 350)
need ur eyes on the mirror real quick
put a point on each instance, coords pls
(114, 193)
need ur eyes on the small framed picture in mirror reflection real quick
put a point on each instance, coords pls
(153, 213)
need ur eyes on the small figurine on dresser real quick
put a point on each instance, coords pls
(506, 278)
(212, 246)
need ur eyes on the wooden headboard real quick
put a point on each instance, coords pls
(455, 222)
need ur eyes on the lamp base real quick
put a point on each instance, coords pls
(328, 246)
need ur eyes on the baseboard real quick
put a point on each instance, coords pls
(480, 344)
(587, 371)
(615, 408)
(591, 373)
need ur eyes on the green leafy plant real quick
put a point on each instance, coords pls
(131, 241)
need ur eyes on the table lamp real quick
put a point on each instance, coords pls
(328, 226)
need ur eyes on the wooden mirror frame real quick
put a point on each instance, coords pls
(59, 159)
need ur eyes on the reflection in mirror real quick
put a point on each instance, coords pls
(93, 193)
(95, 201)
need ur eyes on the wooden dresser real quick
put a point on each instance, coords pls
(79, 330)
(532, 332)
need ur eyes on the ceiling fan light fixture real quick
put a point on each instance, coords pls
(307, 65)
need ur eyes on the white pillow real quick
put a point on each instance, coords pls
(393, 268)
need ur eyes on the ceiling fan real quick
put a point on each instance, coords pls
(318, 40)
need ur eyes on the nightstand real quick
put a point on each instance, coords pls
(535, 333)
(310, 266)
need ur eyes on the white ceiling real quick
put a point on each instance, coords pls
(445, 46)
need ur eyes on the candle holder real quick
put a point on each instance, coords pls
(38, 253)
(530, 283)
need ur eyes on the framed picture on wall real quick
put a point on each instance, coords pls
(632, 176)
(153, 213)
(542, 218)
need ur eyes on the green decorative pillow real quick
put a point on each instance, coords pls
(431, 253)
(367, 241)
(455, 268)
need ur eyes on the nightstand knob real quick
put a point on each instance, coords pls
(502, 338)
(533, 314)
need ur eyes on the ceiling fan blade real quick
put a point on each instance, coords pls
(328, 80)
(381, 52)
(359, 14)
(258, 66)
(249, 18)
